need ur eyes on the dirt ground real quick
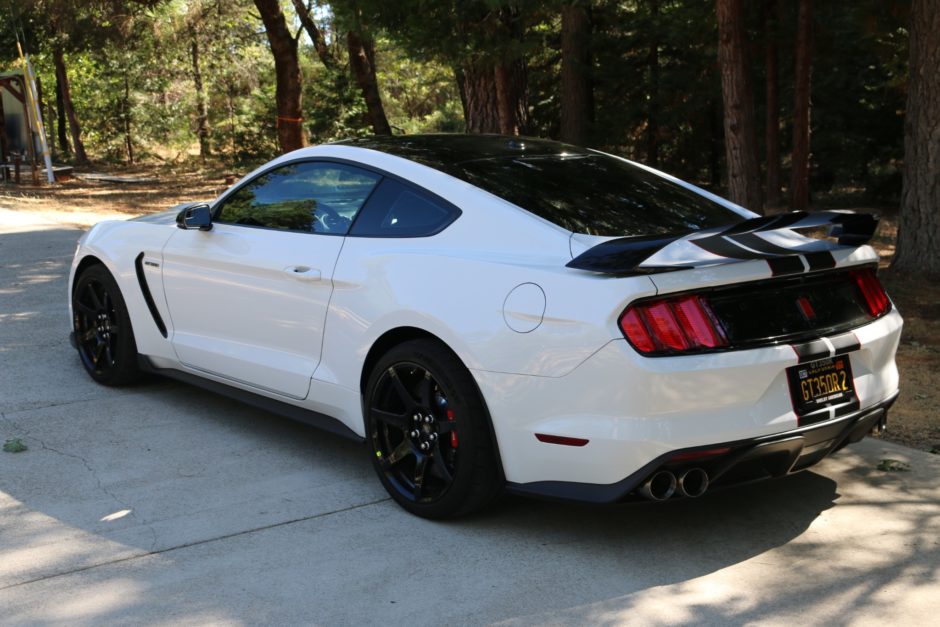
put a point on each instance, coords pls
(914, 421)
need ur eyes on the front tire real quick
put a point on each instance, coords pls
(428, 432)
(102, 326)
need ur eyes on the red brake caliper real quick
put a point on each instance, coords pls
(453, 434)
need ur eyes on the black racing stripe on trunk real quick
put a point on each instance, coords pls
(718, 245)
(845, 343)
(820, 260)
(148, 298)
(820, 415)
(848, 408)
(758, 243)
(780, 266)
(811, 351)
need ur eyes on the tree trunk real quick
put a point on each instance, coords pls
(510, 78)
(919, 230)
(652, 121)
(772, 119)
(740, 137)
(126, 115)
(362, 62)
(203, 130)
(477, 85)
(510, 74)
(316, 35)
(799, 170)
(58, 57)
(61, 126)
(575, 74)
(290, 130)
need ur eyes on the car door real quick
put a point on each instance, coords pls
(248, 298)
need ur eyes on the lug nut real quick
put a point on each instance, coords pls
(432, 436)
(425, 446)
(428, 420)
(414, 433)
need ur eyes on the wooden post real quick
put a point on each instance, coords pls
(4, 144)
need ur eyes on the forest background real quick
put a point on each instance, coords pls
(777, 104)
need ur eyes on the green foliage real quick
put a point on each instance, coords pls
(131, 70)
(14, 445)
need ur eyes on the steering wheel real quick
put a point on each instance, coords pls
(330, 220)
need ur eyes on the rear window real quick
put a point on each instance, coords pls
(594, 194)
(398, 210)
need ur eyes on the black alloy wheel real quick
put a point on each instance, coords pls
(103, 334)
(428, 432)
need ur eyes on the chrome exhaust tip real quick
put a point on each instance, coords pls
(660, 486)
(693, 482)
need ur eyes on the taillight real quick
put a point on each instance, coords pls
(672, 325)
(873, 294)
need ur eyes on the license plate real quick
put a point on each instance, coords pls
(817, 385)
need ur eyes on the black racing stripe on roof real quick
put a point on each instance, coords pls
(442, 150)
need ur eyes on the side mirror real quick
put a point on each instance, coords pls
(195, 217)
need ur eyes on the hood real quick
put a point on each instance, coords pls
(168, 216)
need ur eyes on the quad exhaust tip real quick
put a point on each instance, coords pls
(693, 482)
(660, 486)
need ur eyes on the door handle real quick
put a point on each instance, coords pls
(303, 273)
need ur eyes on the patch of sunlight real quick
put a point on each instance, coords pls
(116, 515)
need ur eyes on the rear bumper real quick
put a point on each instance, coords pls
(745, 460)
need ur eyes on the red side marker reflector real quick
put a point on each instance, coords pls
(712, 452)
(560, 439)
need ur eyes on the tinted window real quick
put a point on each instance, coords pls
(398, 210)
(594, 194)
(309, 197)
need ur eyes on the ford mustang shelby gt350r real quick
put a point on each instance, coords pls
(491, 312)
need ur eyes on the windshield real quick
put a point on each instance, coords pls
(594, 194)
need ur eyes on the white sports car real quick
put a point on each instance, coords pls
(491, 313)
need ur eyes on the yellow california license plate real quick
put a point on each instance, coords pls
(821, 384)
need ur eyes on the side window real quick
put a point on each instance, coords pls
(398, 210)
(309, 197)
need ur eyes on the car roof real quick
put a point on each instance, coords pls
(439, 151)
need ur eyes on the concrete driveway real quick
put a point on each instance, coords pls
(162, 503)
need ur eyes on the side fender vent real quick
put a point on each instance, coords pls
(148, 297)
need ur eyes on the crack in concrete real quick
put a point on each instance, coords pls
(94, 473)
(23, 410)
(199, 542)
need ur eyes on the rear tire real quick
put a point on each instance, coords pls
(102, 326)
(428, 432)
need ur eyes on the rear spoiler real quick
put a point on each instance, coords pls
(773, 238)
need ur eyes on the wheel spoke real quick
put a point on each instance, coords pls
(420, 468)
(439, 467)
(401, 391)
(85, 309)
(399, 421)
(107, 353)
(95, 301)
(99, 351)
(87, 336)
(403, 450)
(424, 390)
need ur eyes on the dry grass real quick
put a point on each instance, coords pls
(915, 419)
